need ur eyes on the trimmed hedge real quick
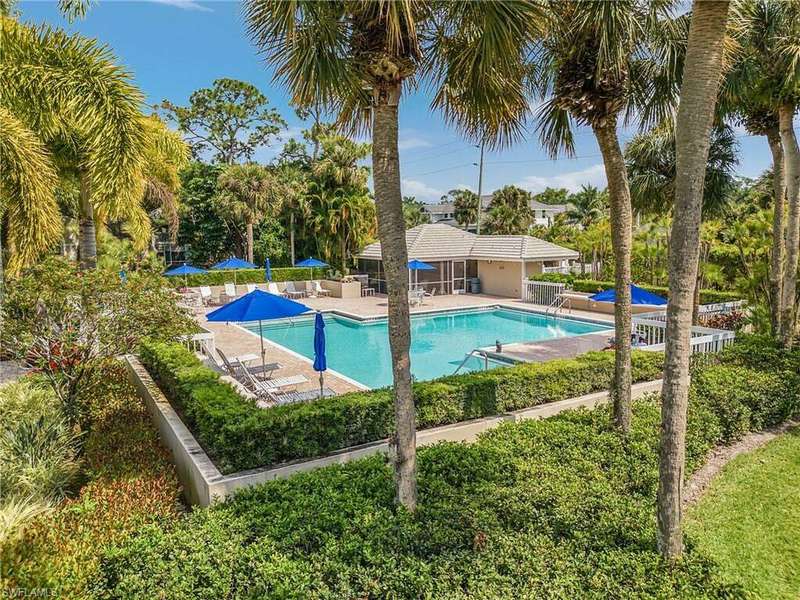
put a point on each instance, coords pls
(594, 285)
(222, 277)
(238, 435)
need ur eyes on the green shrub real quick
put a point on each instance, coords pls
(242, 276)
(39, 460)
(593, 285)
(747, 399)
(238, 435)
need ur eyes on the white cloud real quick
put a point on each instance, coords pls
(184, 5)
(573, 180)
(464, 186)
(420, 190)
(410, 139)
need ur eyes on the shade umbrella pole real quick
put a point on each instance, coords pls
(321, 384)
(263, 352)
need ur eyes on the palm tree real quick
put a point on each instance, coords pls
(589, 205)
(166, 154)
(764, 78)
(510, 211)
(66, 92)
(414, 213)
(651, 164)
(248, 192)
(465, 206)
(355, 57)
(701, 79)
(596, 65)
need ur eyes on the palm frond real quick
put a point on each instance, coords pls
(27, 191)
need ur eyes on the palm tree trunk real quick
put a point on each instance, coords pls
(87, 242)
(392, 234)
(792, 162)
(776, 260)
(701, 77)
(621, 240)
(250, 241)
(291, 235)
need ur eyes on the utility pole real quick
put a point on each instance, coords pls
(480, 189)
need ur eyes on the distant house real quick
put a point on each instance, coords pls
(443, 212)
(545, 214)
(501, 262)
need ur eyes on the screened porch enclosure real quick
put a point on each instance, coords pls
(447, 276)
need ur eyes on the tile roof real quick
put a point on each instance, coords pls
(438, 241)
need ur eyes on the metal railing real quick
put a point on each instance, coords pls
(706, 311)
(541, 292)
(555, 306)
(652, 334)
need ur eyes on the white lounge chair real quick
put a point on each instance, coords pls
(229, 293)
(205, 294)
(272, 288)
(251, 287)
(232, 366)
(293, 292)
(270, 389)
(319, 290)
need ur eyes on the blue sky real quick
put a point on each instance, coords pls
(173, 47)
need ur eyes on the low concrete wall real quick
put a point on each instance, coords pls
(339, 289)
(203, 484)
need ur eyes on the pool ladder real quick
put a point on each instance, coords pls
(476, 352)
(556, 306)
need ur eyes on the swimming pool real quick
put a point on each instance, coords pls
(439, 342)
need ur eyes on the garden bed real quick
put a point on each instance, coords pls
(128, 482)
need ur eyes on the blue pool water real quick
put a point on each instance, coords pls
(439, 343)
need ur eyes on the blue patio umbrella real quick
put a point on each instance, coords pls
(320, 362)
(232, 264)
(267, 270)
(417, 265)
(638, 296)
(258, 306)
(311, 263)
(184, 270)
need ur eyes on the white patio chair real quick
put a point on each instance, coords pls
(272, 288)
(319, 290)
(205, 294)
(251, 287)
(293, 292)
(229, 293)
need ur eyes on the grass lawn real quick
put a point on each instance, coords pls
(749, 520)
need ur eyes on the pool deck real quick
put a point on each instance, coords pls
(235, 340)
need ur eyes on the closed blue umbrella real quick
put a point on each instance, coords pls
(184, 270)
(311, 263)
(417, 265)
(638, 296)
(320, 362)
(232, 264)
(258, 306)
(267, 270)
